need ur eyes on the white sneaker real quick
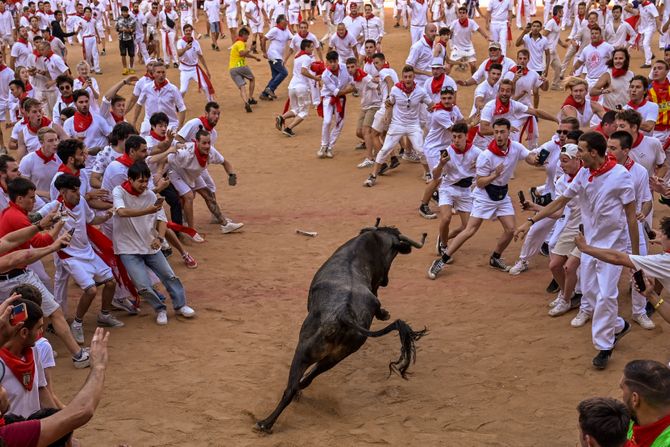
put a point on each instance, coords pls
(520, 266)
(321, 153)
(109, 320)
(365, 163)
(581, 319)
(124, 304)
(186, 312)
(557, 300)
(560, 308)
(197, 238)
(77, 330)
(161, 317)
(329, 152)
(230, 227)
(644, 321)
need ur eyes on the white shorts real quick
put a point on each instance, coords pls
(231, 22)
(378, 123)
(87, 273)
(299, 101)
(485, 208)
(182, 185)
(293, 17)
(432, 158)
(256, 28)
(208, 180)
(49, 304)
(468, 54)
(458, 197)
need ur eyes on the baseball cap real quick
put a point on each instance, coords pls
(495, 45)
(570, 150)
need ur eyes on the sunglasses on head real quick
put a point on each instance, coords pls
(447, 90)
(562, 132)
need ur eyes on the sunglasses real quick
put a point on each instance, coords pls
(562, 132)
(447, 90)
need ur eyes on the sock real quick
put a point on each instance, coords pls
(104, 312)
(445, 257)
(78, 321)
(495, 255)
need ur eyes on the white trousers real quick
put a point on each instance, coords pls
(646, 44)
(536, 236)
(416, 32)
(91, 55)
(393, 136)
(600, 299)
(526, 13)
(330, 119)
(169, 47)
(499, 34)
(185, 78)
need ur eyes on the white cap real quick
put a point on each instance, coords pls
(437, 63)
(570, 150)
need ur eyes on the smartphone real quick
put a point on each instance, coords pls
(581, 229)
(19, 314)
(519, 68)
(638, 276)
(71, 231)
(159, 201)
(651, 234)
(522, 198)
(444, 153)
(542, 157)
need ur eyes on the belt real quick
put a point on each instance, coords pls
(12, 274)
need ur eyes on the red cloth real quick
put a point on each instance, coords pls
(66, 170)
(499, 151)
(618, 72)
(439, 106)
(428, 41)
(21, 434)
(436, 83)
(645, 435)
(82, 122)
(516, 68)
(104, 248)
(22, 367)
(464, 22)
(128, 187)
(501, 108)
(14, 218)
(159, 86)
(155, 136)
(300, 53)
(359, 74)
(571, 101)
(202, 158)
(628, 163)
(635, 107)
(117, 118)
(318, 67)
(638, 140)
(125, 160)
(467, 148)
(44, 123)
(609, 163)
(205, 123)
(66, 99)
(405, 89)
(491, 62)
(44, 158)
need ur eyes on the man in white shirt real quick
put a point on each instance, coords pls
(486, 91)
(7, 25)
(618, 32)
(552, 31)
(495, 57)
(87, 126)
(213, 10)
(168, 19)
(139, 230)
(606, 195)
(403, 107)
(279, 36)
(190, 57)
(343, 42)
(495, 167)
(302, 34)
(230, 9)
(90, 40)
(579, 37)
(537, 46)
(645, 150)
(21, 50)
(420, 56)
(374, 28)
(49, 66)
(367, 87)
(336, 85)
(161, 96)
(41, 166)
(355, 24)
(419, 18)
(526, 86)
(594, 57)
(462, 30)
(498, 19)
(649, 24)
(256, 17)
(637, 91)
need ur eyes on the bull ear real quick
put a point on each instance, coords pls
(403, 248)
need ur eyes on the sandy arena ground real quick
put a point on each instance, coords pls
(495, 370)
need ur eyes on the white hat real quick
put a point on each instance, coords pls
(437, 63)
(570, 150)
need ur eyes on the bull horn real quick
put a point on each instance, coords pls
(414, 244)
(379, 219)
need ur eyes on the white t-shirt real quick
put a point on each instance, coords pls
(618, 38)
(654, 266)
(552, 165)
(461, 36)
(641, 185)
(133, 235)
(486, 91)
(595, 59)
(648, 153)
(439, 132)
(21, 401)
(460, 166)
(343, 45)
(167, 100)
(278, 39)
(81, 215)
(648, 16)
(419, 12)
(38, 170)
(499, 10)
(516, 115)
(648, 110)
(189, 58)
(481, 73)
(602, 203)
(447, 82)
(487, 162)
(406, 108)
(536, 47)
(297, 40)
(554, 33)
(527, 83)
(213, 10)
(298, 80)
(191, 127)
(420, 57)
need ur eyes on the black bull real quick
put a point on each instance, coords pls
(341, 305)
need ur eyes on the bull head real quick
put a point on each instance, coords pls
(405, 245)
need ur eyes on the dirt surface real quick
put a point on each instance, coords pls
(495, 370)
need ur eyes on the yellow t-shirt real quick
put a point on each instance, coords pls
(235, 59)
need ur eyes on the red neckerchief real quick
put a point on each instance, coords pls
(82, 122)
(44, 158)
(125, 160)
(48, 56)
(22, 40)
(155, 136)
(501, 108)
(51, 38)
(628, 163)
(158, 86)
(386, 65)
(81, 79)
(439, 106)
(359, 74)
(428, 41)
(202, 158)
(29, 86)
(644, 435)
(491, 62)
(596, 45)
(303, 36)
(68, 99)
(336, 72)
(516, 68)
(344, 35)
(167, 11)
(635, 107)
(557, 20)
(436, 83)
(370, 16)
(44, 123)
(638, 140)
(603, 11)
(609, 163)
(420, 2)
(646, 3)
(129, 188)
(301, 53)
(659, 86)
(36, 53)
(572, 177)
(403, 87)
(148, 75)
(500, 152)
(64, 169)
(367, 60)
(464, 22)
(117, 118)
(66, 205)
(23, 370)
(88, 19)
(618, 72)
(581, 17)
(187, 40)
(600, 130)
(467, 148)
(571, 101)
(205, 123)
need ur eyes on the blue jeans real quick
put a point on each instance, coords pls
(279, 73)
(138, 269)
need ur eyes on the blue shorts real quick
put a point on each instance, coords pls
(214, 27)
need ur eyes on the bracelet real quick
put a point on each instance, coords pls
(658, 304)
(39, 227)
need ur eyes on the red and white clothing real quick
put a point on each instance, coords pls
(647, 27)
(107, 114)
(333, 105)
(419, 12)
(552, 166)
(604, 17)
(537, 48)
(373, 29)
(92, 129)
(61, 103)
(343, 45)
(514, 111)
(355, 26)
(79, 84)
(190, 69)
(39, 168)
(435, 85)
(254, 16)
(191, 127)
(461, 39)
(187, 166)
(168, 34)
(648, 110)
(584, 110)
(487, 92)
(27, 135)
(161, 98)
(22, 380)
(379, 123)
(460, 168)
(6, 76)
(421, 57)
(22, 51)
(439, 133)
(647, 152)
(601, 197)
(595, 60)
(297, 39)
(620, 35)
(131, 235)
(482, 70)
(500, 13)
(89, 45)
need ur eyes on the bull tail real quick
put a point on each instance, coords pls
(408, 337)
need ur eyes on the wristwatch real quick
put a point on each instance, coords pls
(530, 219)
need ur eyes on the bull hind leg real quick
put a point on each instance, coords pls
(321, 367)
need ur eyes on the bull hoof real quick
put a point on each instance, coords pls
(261, 428)
(383, 314)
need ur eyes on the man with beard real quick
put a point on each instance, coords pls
(87, 126)
(603, 421)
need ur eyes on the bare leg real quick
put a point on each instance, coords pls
(85, 301)
(108, 295)
(210, 201)
(63, 331)
(473, 225)
(509, 224)
(187, 206)
(464, 222)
